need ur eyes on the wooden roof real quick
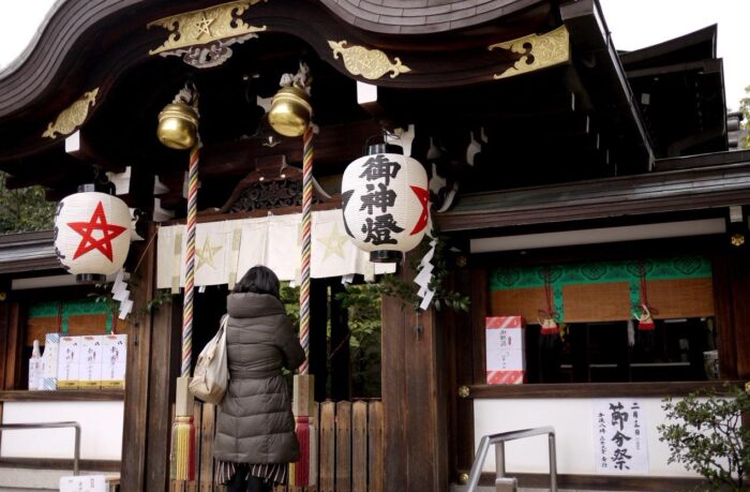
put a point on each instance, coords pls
(712, 181)
(571, 121)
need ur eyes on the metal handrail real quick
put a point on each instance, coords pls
(52, 425)
(499, 441)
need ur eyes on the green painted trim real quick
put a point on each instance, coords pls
(682, 267)
(71, 308)
(44, 310)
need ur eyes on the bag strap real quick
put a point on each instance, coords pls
(224, 320)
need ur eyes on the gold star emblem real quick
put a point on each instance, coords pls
(334, 242)
(203, 26)
(207, 254)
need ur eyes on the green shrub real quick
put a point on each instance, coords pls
(706, 436)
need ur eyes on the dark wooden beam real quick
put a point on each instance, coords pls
(61, 464)
(135, 427)
(54, 169)
(599, 67)
(319, 336)
(599, 390)
(674, 191)
(64, 395)
(341, 383)
(459, 346)
(414, 398)
(335, 146)
(601, 482)
(5, 330)
(165, 353)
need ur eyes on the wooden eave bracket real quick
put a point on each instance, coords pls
(589, 35)
(270, 169)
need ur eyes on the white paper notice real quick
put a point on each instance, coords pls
(620, 436)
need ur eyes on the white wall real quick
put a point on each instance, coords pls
(573, 421)
(101, 429)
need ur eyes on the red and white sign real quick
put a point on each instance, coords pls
(505, 350)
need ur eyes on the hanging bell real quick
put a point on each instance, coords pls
(178, 126)
(290, 111)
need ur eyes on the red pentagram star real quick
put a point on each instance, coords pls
(98, 222)
(423, 195)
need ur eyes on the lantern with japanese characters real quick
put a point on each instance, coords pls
(92, 234)
(385, 200)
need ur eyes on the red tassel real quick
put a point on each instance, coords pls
(302, 468)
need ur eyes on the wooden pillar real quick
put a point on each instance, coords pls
(460, 353)
(166, 351)
(340, 353)
(153, 364)
(414, 400)
(135, 429)
(319, 336)
(723, 301)
(741, 314)
(6, 328)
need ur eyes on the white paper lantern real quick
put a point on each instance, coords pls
(386, 204)
(92, 234)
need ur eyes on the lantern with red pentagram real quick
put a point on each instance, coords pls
(92, 234)
(386, 203)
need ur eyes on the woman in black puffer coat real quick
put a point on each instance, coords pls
(255, 437)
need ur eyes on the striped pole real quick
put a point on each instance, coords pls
(187, 308)
(307, 196)
(183, 450)
(304, 472)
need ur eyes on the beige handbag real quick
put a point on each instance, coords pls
(211, 375)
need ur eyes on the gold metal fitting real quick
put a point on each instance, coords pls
(463, 478)
(178, 126)
(738, 239)
(464, 391)
(290, 111)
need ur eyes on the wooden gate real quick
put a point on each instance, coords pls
(350, 448)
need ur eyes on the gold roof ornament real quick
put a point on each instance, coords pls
(539, 51)
(203, 37)
(369, 63)
(71, 118)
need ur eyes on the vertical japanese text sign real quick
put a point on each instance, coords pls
(620, 438)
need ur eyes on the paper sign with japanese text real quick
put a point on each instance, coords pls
(620, 438)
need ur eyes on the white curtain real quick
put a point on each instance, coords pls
(226, 250)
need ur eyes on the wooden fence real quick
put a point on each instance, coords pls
(350, 448)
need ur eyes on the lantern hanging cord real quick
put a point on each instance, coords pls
(382, 135)
(148, 246)
(645, 306)
(548, 293)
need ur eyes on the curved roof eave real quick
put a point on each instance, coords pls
(55, 69)
(422, 16)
